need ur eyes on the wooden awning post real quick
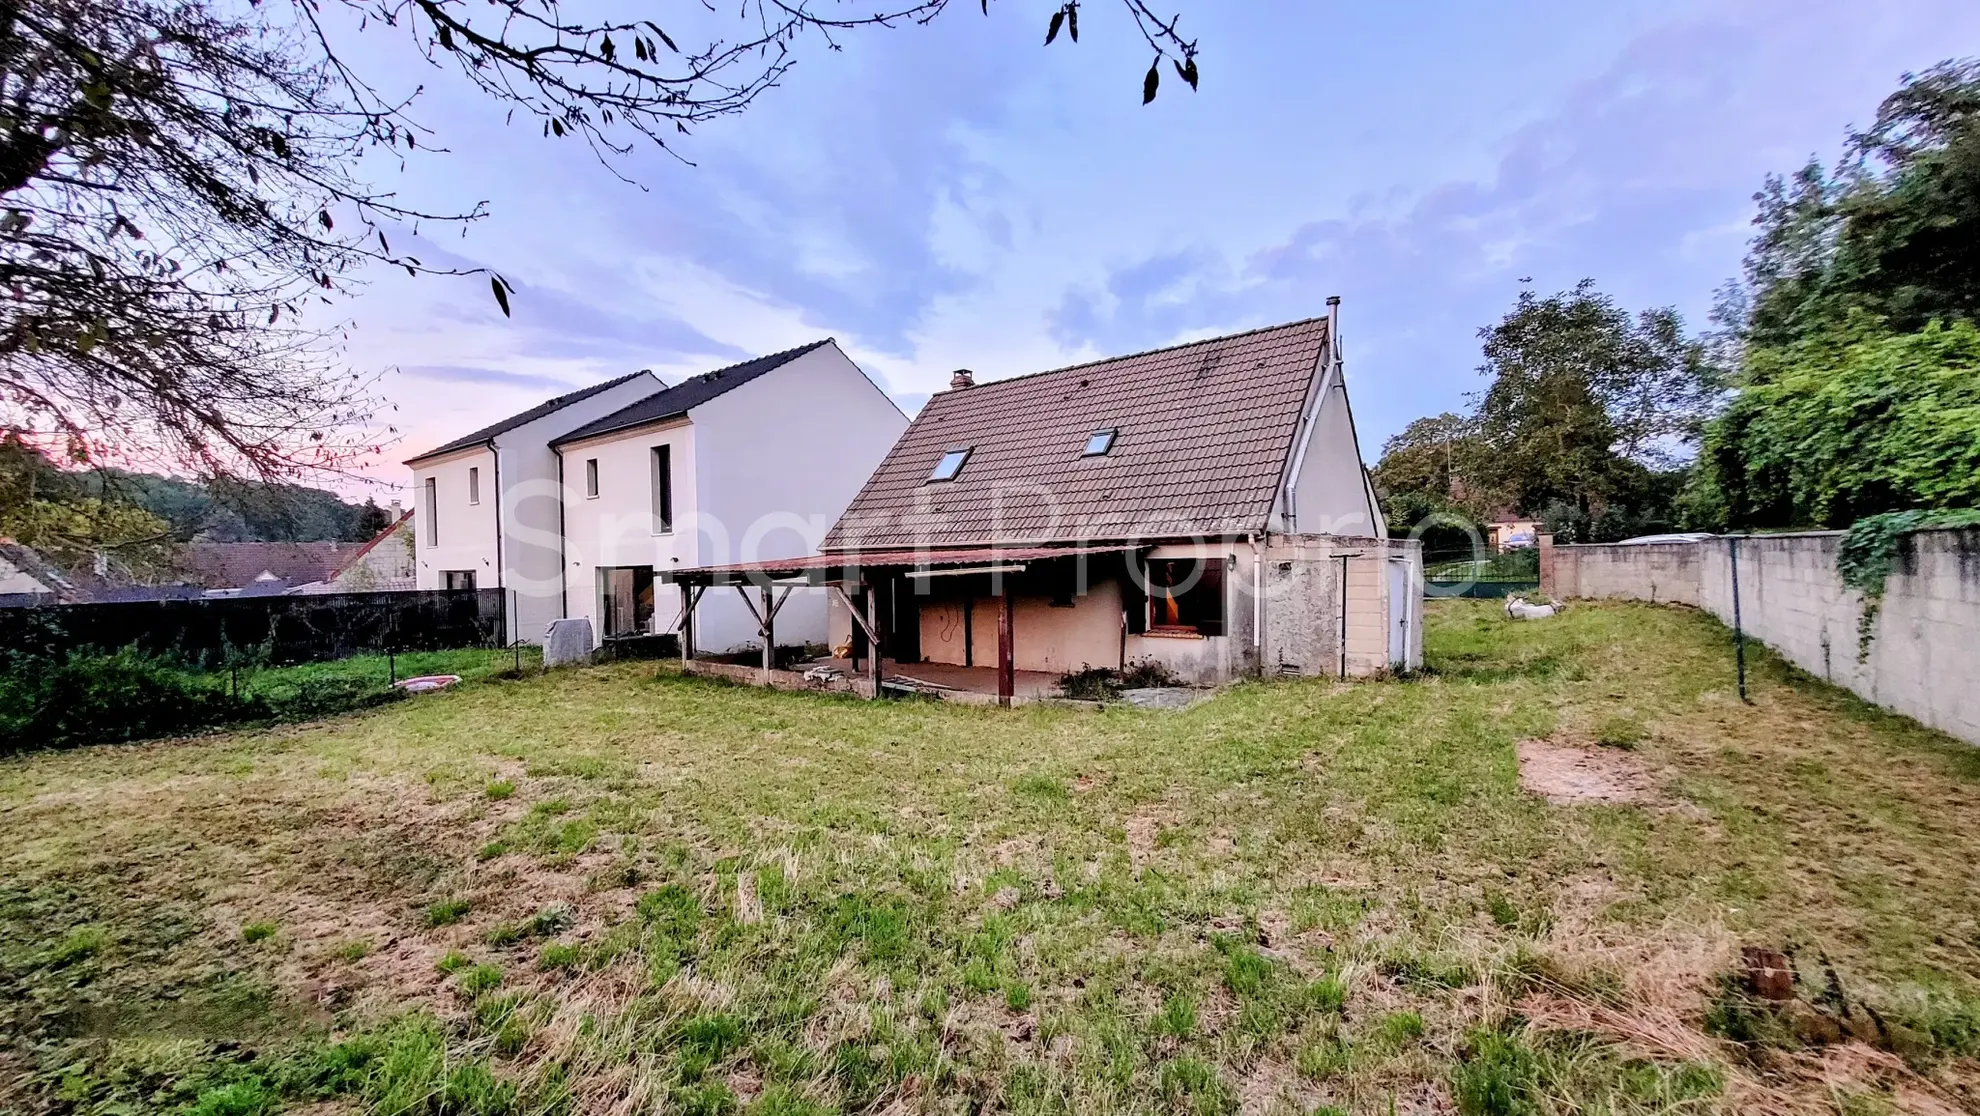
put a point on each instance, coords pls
(1006, 659)
(769, 630)
(873, 638)
(686, 636)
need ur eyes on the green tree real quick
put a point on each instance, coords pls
(1587, 402)
(1852, 399)
(1824, 434)
(54, 511)
(1893, 231)
(1437, 456)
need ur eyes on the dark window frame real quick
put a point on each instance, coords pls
(662, 459)
(1186, 593)
(961, 456)
(432, 511)
(456, 580)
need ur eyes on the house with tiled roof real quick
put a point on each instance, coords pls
(486, 505)
(1200, 508)
(382, 564)
(755, 460)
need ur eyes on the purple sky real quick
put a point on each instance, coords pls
(957, 195)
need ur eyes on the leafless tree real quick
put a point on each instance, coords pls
(179, 177)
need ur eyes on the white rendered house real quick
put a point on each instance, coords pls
(750, 462)
(487, 504)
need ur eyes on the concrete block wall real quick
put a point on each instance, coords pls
(1662, 572)
(1923, 659)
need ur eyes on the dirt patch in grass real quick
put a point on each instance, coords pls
(1567, 775)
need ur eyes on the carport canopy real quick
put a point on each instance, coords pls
(849, 567)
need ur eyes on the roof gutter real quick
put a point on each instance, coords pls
(485, 443)
(1328, 375)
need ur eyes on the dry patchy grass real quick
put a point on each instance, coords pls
(696, 898)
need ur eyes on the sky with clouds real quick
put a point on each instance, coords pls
(957, 195)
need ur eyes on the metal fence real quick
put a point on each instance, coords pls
(271, 629)
(1463, 573)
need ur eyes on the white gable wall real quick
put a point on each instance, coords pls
(1330, 492)
(615, 528)
(777, 461)
(465, 538)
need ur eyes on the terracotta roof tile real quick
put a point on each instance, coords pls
(1205, 430)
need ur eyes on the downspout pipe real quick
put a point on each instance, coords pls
(501, 580)
(1258, 602)
(563, 560)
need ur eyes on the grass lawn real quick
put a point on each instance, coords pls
(617, 889)
(283, 684)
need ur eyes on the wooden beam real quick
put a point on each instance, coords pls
(768, 623)
(873, 642)
(1006, 658)
(743, 592)
(853, 610)
(690, 595)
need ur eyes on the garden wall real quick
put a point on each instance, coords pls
(286, 629)
(1923, 658)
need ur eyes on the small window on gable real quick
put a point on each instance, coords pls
(591, 478)
(951, 464)
(1099, 442)
(474, 485)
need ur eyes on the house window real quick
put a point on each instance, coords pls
(1186, 596)
(663, 489)
(432, 512)
(591, 478)
(951, 464)
(459, 579)
(474, 485)
(1099, 442)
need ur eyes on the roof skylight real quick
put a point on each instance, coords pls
(1099, 442)
(951, 464)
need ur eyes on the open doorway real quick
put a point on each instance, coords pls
(625, 601)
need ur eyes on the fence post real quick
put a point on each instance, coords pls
(1739, 633)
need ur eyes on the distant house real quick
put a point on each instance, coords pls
(1202, 508)
(27, 579)
(752, 461)
(1512, 534)
(383, 564)
(260, 568)
(487, 504)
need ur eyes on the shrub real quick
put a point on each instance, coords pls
(90, 697)
(311, 698)
(1106, 683)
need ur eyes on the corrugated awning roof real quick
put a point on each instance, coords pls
(815, 567)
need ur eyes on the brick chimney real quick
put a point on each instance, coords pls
(961, 378)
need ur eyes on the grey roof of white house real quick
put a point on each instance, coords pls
(671, 402)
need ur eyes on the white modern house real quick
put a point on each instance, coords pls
(487, 505)
(751, 462)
